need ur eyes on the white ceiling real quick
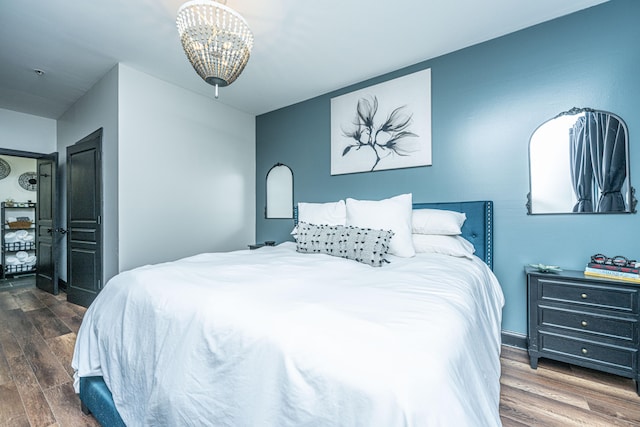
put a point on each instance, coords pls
(302, 48)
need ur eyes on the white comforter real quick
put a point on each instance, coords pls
(271, 337)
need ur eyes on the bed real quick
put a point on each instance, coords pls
(273, 337)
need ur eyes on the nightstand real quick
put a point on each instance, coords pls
(586, 321)
(259, 245)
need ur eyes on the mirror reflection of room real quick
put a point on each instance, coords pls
(579, 163)
(18, 185)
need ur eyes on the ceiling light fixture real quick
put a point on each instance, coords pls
(216, 39)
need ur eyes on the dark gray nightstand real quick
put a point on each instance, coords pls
(259, 245)
(583, 320)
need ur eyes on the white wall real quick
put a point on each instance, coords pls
(98, 108)
(186, 171)
(9, 187)
(24, 132)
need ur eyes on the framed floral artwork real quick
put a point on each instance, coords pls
(384, 126)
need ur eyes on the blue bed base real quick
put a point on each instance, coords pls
(96, 398)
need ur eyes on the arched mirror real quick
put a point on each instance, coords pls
(579, 163)
(279, 192)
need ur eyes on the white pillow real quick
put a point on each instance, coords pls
(332, 213)
(437, 221)
(456, 246)
(392, 214)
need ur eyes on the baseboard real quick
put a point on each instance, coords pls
(514, 339)
(62, 285)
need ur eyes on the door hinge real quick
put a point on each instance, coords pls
(99, 284)
(99, 219)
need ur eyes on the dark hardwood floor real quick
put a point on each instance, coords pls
(38, 332)
(37, 335)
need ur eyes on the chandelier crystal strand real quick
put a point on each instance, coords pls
(216, 40)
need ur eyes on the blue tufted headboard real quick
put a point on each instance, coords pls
(478, 228)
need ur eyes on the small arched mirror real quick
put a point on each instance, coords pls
(579, 163)
(279, 192)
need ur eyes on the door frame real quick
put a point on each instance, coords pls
(35, 155)
(19, 153)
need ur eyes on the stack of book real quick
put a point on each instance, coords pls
(607, 271)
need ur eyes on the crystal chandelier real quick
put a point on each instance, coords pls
(216, 39)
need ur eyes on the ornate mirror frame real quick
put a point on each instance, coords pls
(579, 163)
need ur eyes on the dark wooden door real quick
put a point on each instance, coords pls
(84, 219)
(46, 222)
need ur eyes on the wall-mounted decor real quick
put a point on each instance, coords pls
(28, 181)
(279, 192)
(579, 163)
(5, 169)
(385, 126)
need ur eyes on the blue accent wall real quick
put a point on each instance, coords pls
(486, 102)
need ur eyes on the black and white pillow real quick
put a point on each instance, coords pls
(359, 244)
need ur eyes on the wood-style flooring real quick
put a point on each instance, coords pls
(38, 331)
(563, 395)
(37, 335)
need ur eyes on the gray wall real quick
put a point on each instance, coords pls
(186, 169)
(178, 170)
(486, 102)
(98, 108)
(25, 132)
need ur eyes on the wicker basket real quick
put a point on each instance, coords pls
(19, 224)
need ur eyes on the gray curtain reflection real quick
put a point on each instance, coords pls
(607, 141)
(581, 169)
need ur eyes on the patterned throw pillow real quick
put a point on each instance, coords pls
(359, 244)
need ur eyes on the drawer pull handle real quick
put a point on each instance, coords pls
(584, 351)
(583, 296)
(584, 323)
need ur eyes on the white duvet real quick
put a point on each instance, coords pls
(275, 338)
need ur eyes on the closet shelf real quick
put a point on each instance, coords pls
(19, 246)
(19, 268)
(17, 219)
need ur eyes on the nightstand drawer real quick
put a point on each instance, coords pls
(619, 298)
(608, 326)
(615, 357)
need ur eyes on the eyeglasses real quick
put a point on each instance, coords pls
(618, 260)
